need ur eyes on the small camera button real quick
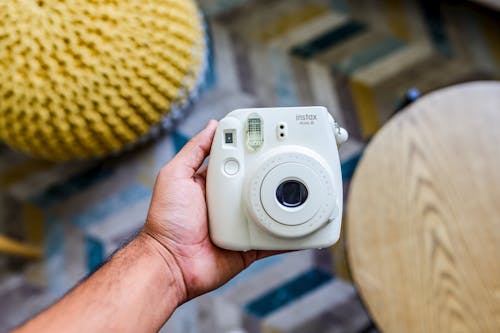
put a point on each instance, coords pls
(231, 167)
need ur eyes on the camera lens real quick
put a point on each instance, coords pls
(291, 193)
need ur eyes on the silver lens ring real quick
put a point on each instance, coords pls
(306, 166)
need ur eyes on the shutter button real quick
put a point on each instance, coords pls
(231, 167)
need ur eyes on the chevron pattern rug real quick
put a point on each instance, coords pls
(357, 58)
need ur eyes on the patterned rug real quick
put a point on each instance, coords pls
(360, 59)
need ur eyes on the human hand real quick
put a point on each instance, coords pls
(177, 223)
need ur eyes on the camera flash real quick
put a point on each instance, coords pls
(255, 137)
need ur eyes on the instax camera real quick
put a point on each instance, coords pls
(274, 179)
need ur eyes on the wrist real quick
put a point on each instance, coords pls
(167, 263)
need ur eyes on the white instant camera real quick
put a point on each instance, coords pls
(274, 180)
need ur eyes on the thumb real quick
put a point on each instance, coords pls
(192, 155)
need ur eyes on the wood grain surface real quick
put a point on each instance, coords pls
(423, 231)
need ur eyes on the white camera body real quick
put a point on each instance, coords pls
(274, 179)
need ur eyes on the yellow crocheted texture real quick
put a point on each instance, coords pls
(81, 79)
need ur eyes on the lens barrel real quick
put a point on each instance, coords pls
(291, 193)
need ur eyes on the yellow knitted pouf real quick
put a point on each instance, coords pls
(81, 79)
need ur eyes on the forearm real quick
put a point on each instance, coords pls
(136, 291)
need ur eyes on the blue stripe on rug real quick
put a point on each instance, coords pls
(74, 185)
(179, 140)
(349, 166)
(433, 16)
(287, 293)
(94, 250)
(111, 205)
(368, 55)
(328, 39)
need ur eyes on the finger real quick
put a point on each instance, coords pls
(200, 180)
(191, 156)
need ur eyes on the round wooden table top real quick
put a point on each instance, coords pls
(423, 219)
